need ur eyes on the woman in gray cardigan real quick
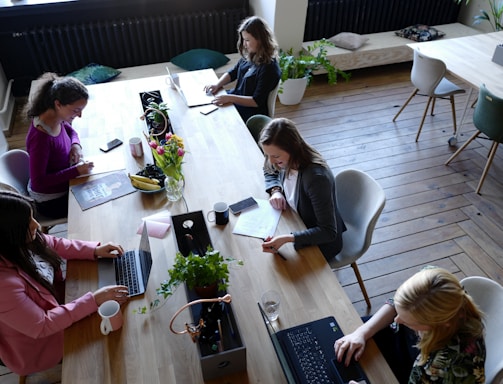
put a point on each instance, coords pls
(296, 176)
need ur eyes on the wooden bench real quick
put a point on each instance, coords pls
(385, 48)
(159, 69)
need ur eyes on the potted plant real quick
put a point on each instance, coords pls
(297, 71)
(157, 117)
(496, 9)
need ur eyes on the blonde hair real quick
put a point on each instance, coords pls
(435, 298)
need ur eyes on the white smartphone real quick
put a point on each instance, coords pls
(207, 109)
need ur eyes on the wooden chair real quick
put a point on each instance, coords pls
(360, 200)
(488, 119)
(428, 78)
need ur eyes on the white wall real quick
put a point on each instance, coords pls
(285, 17)
(472, 9)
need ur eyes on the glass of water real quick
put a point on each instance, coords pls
(270, 302)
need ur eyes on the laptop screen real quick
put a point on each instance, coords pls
(279, 351)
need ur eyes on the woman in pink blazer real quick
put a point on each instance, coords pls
(33, 316)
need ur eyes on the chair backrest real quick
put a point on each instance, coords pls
(488, 295)
(271, 100)
(488, 114)
(15, 170)
(426, 73)
(255, 124)
(360, 201)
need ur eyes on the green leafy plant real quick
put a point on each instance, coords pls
(496, 9)
(305, 64)
(157, 111)
(195, 271)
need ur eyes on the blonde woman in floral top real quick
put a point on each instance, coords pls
(450, 332)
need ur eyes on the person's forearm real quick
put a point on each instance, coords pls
(380, 320)
(224, 79)
(245, 101)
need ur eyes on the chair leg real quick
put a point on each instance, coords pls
(22, 379)
(473, 137)
(360, 282)
(453, 107)
(424, 117)
(494, 147)
(407, 102)
(433, 107)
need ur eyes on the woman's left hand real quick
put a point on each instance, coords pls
(222, 100)
(76, 154)
(109, 250)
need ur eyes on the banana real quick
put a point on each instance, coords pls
(143, 179)
(145, 186)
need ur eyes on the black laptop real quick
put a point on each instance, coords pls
(306, 353)
(132, 269)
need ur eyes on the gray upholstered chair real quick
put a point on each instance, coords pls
(360, 200)
(15, 173)
(488, 295)
(488, 119)
(428, 78)
(271, 100)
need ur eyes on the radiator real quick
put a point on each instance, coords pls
(133, 41)
(326, 18)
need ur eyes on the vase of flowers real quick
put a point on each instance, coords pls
(168, 155)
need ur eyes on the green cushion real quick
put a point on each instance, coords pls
(95, 73)
(200, 59)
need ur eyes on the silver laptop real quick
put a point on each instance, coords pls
(190, 86)
(132, 269)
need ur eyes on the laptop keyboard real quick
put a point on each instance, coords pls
(310, 356)
(126, 272)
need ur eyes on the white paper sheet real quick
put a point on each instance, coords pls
(260, 221)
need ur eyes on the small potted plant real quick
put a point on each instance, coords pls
(297, 71)
(157, 117)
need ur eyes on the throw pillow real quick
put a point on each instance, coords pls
(348, 40)
(200, 59)
(420, 32)
(95, 73)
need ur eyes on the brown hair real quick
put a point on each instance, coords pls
(258, 28)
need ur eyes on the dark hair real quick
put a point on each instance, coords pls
(283, 134)
(14, 230)
(258, 28)
(66, 90)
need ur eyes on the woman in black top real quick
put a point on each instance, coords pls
(257, 72)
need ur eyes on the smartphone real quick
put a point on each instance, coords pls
(240, 206)
(111, 145)
(346, 374)
(207, 109)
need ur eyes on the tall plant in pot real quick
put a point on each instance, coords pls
(297, 71)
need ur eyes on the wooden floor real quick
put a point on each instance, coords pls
(432, 214)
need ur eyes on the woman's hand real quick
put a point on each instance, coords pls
(109, 250)
(85, 167)
(222, 100)
(350, 346)
(118, 293)
(278, 201)
(76, 154)
(272, 244)
(211, 89)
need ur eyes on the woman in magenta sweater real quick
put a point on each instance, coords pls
(53, 145)
(33, 317)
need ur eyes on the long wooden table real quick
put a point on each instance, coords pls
(469, 59)
(223, 163)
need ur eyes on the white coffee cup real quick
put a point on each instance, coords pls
(111, 316)
(136, 147)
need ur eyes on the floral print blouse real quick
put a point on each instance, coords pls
(460, 362)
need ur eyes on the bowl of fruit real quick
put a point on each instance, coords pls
(149, 180)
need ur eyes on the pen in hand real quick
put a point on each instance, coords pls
(276, 251)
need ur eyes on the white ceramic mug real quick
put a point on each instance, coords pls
(136, 147)
(111, 316)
